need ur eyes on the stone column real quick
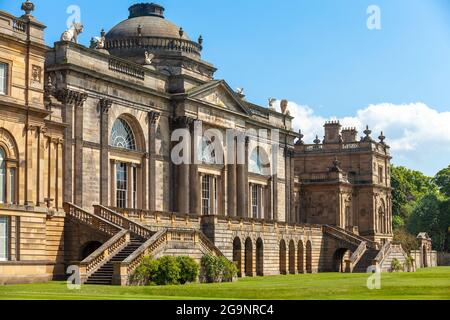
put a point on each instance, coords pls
(113, 202)
(59, 178)
(194, 192)
(73, 156)
(153, 118)
(40, 201)
(31, 168)
(231, 182)
(105, 106)
(242, 183)
(182, 185)
(52, 175)
(292, 187)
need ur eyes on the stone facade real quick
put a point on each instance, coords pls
(97, 132)
(31, 146)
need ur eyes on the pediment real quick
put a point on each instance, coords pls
(219, 94)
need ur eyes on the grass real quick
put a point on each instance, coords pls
(426, 284)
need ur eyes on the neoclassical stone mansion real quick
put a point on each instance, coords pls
(88, 177)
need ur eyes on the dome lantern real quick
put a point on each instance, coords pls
(146, 10)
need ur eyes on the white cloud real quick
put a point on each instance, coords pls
(419, 135)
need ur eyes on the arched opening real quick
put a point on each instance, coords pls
(309, 257)
(237, 255)
(339, 257)
(89, 248)
(292, 257)
(248, 258)
(283, 257)
(9, 168)
(300, 258)
(2, 176)
(124, 174)
(259, 257)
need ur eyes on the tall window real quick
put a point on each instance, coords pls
(122, 181)
(134, 188)
(3, 176)
(3, 238)
(206, 195)
(3, 78)
(122, 136)
(255, 201)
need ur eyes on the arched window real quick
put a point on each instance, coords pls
(122, 136)
(259, 162)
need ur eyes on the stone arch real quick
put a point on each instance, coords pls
(88, 248)
(259, 161)
(300, 257)
(309, 256)
(8, 144)
(283, 269)
(339, 257)
(259, 257)
(248, 257)
(135, 127)
(292, 257)
(237, 255)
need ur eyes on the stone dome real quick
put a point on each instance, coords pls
(149, 17)
(146, 30)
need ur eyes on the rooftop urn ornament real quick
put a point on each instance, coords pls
(317, 140)
(99, 42)
(28, 7)
(181, 32)
(300, 138)
(200, 40)
(382, 138)
(367, 132)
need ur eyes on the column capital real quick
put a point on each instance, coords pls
(105, 104)
(153, 117)
(71, 97)
(182, 122)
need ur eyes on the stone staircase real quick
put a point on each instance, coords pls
(364, 250)
(104, 275)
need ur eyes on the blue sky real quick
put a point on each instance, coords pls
(318, 54)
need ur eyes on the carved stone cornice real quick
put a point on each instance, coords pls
(105, 105)
(181, 122)
(71, 97)
(153, 117)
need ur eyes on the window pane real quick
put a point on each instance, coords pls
(3, 77)
(121, 185)
(122, 136)
(206, 195)
(2, 176)
(3, 238)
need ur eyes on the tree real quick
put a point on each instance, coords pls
(442, 180)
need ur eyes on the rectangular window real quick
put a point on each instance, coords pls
(121, 187)
(3, 78)
(206, 194)
(3, 238)
(134, 171)
(12, 185)
(255, 201)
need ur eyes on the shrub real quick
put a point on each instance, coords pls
(145, 273)
(409, 264)
(189, 269)
(218, 269)
(396, 266)
(168, 271)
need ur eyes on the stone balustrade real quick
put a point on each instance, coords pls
(347, 147)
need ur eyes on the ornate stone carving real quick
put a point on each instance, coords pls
(67, 96)
(300, 138)
(28, 7)
(153, 117)
(36, 73)
(105, 105)
(182, 122)
(149, 58)
(73, 32)
(99, 42)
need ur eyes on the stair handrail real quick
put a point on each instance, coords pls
(351, 237)
(118, 219)
(209, 245)
(379, 259)
(91, 219)
(357, 255)
(94, 261)
(146, 249)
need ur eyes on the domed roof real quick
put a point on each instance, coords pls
(146, 20)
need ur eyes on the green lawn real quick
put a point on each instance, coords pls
(425, 284)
